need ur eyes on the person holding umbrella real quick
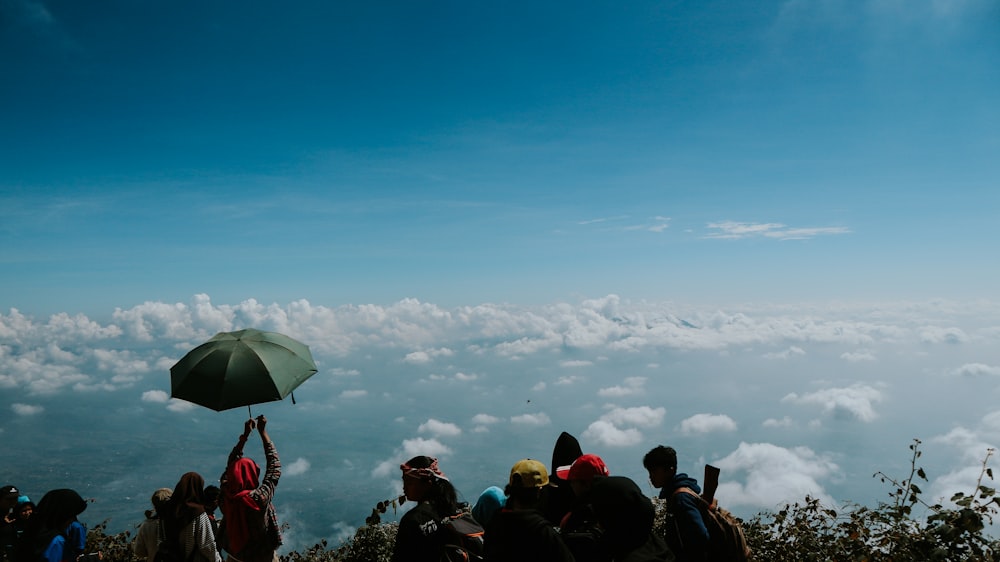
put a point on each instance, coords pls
(249, 523)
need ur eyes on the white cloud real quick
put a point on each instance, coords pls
(662, 223)
(426, 356)
(794, 350)
(538, 419)
(642, 416)
(539, 386)
(775, 475)
(26, 409)
(120, 363)
(632, 386)
(937, 335)
(351, 394)
(736, 230)
(857, 356)
(602, 219)
(439, 428)
(855, 401)
(466, 376)
(485, 419)
(773, 423)
(155, 396)
(607, 434)
(49, 356)
(410, 448)
(299, 466)
(976, 370)
(579, 349)
(707, 423)
(180, 406)
(973, 446)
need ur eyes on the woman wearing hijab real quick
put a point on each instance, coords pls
(418, 539)
(185, 521)
(249, 522)
(44, 538)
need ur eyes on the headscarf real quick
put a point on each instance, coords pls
(185, 502)
(431, 472)
(490, 501)
(49, 519)
(242, 478)
(441, 495)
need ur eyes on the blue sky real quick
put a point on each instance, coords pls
(561, 203)
(508, 153)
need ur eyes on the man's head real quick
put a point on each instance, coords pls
(528, 478)
(160, 498)
(581, 473)
(421, 475)
(24, 510)
(661, 464)
(8, 498)
(212, 498)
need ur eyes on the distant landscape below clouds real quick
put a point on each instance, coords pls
(788, 399)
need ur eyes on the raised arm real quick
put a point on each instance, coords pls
(273, 470)
(237, 452)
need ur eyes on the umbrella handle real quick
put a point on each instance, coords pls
(293, 397)
(249, 412)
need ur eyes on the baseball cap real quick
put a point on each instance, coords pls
(528, 473)
(586, 467)
(9, 490)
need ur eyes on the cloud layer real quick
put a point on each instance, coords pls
(766, 392)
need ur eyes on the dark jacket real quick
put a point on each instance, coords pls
(418, 538)
(626, 516)
(685, 530)
(524, 535)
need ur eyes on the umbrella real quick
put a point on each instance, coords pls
(241, 368)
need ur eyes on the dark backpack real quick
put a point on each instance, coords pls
(726, 541)
(463, 539)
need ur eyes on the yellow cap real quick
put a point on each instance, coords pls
(528, 473)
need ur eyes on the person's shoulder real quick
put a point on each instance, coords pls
(682, 480)
(530, 519)
(420, 512)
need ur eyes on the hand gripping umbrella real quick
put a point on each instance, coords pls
(241, 368)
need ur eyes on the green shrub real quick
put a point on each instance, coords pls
(889, 532)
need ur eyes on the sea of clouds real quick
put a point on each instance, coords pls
(788, 399)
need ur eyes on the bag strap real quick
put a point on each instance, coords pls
(685, 490)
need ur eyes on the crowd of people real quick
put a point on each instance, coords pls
(579, 513)
(180, 527)
(582, 513)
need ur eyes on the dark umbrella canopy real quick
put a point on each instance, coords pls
(241, 368)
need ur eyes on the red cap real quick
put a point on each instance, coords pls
(585, 467)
